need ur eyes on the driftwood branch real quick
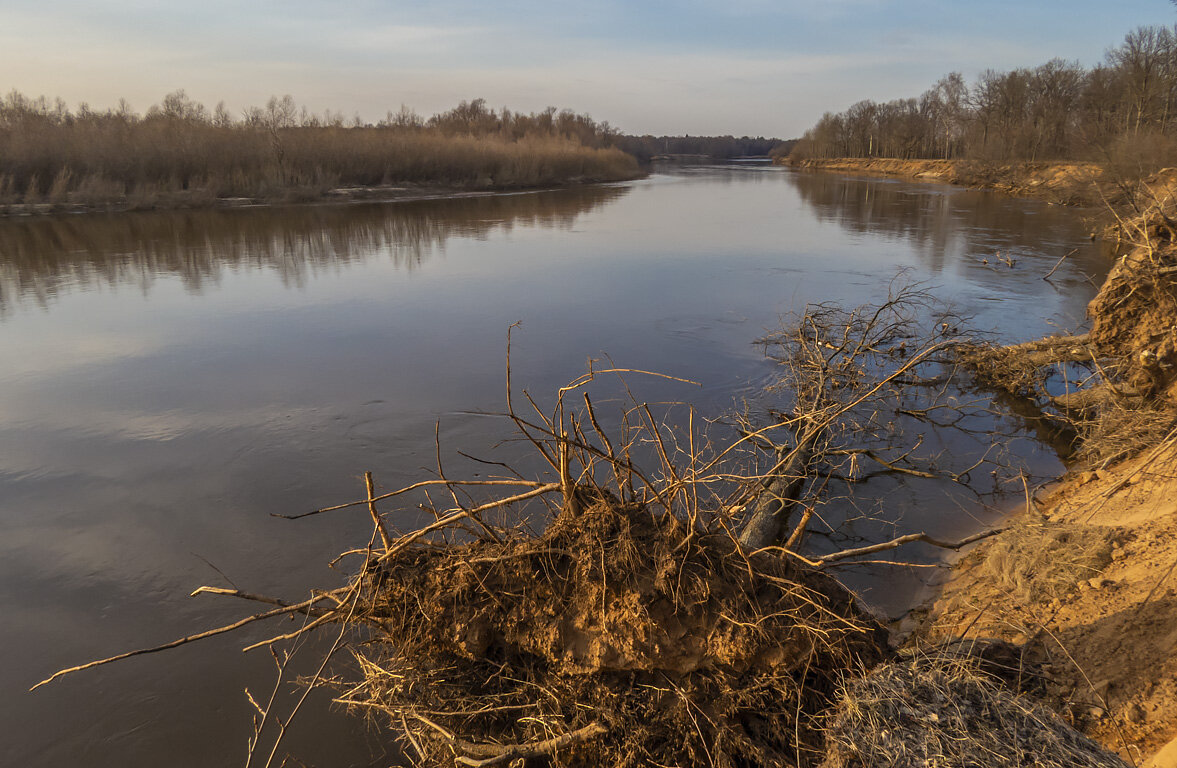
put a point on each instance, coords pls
(376, 519)
(407, 489)
(846, 554)
(487, 755)
(222, 592)
(1059, 263)
(892, 466)
(910, 538)
(295, 608)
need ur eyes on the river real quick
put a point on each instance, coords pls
(170, 379)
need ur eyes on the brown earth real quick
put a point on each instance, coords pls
(1086, 579)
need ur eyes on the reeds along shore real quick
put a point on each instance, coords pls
(181, 154)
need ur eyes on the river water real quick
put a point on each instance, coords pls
(169, 380)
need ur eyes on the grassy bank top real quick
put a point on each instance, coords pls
(180, 152)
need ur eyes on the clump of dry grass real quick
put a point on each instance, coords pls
(942, 711)
(1042, 561)
(1122, 429)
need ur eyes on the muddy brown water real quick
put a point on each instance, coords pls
(168, 380)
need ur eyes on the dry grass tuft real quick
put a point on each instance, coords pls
(939, 711)
(1042, 562)
(1120, 430)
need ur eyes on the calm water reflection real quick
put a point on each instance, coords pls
(41, 257)
(171, 379)
(943, 224)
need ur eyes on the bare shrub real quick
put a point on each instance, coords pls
(97, 190)
(59, 189)
(8, 193)
(1137, 156)
(32, 193)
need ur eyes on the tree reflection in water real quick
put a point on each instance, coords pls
(41, 258)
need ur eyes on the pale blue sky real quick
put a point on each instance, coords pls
(662, 66)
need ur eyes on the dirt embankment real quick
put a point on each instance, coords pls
(1086, 577)
(1069, 183)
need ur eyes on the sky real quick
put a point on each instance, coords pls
(741, 67)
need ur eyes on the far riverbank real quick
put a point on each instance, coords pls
(201, 199)
(1066, 183)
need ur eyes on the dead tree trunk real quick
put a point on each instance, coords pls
(780, 497)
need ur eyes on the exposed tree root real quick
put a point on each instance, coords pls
(665, 617)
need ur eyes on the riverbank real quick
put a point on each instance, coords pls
(1067, 183)
(1083, 580)
(204, 200)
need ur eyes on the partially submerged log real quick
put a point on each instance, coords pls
(773, 509)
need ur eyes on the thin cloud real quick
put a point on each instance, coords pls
(695, 66)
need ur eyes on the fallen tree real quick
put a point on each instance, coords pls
(863, 390)
(672, 616)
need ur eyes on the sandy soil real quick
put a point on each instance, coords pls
(1105, 626)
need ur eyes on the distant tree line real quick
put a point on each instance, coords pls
(1126, 105)
(180, 148)
(720, 147)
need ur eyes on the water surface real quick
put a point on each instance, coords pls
(169, 380)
